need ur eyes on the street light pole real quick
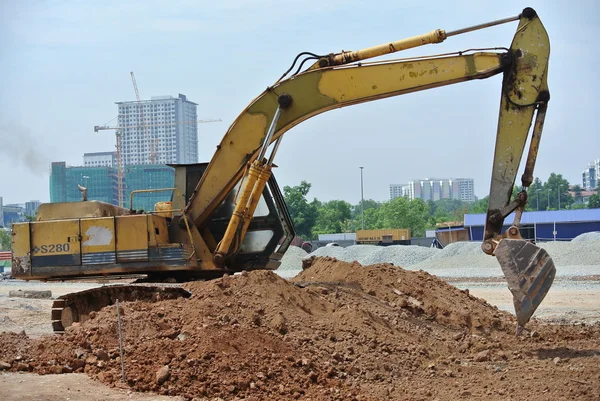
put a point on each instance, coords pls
(548, 199)
(558, 194)
(537, 199)
(362, 199)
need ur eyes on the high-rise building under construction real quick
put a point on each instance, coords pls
(159, 131)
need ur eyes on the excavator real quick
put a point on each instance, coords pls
(228, 215)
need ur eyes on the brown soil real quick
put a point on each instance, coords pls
(336, 331)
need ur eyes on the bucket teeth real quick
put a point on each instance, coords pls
(529, 271)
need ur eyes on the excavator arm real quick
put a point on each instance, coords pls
(344, 79)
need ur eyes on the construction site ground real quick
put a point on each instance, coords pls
(337, 331)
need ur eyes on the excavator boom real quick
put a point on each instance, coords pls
(336, 81)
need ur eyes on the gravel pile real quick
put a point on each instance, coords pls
(580, 253)
(570, 258)
(591, 236)
(292, 260)
(398, 255)
(458, 248)
(574, 258)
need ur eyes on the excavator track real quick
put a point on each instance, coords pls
(77, 306)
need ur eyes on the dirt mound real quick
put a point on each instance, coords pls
(336, 331)
(419, 293)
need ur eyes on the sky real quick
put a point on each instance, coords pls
(64, 64)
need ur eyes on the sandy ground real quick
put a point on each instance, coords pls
(568, 301)
(73, 387)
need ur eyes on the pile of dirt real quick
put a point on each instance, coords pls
(336, 331)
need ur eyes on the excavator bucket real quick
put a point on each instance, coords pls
(529, 271)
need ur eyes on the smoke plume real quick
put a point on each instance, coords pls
(20, 147)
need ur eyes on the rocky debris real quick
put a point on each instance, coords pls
(337, 331)
(36, 294)
(6, 276)
(162, 375)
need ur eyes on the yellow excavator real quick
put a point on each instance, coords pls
(228, 215)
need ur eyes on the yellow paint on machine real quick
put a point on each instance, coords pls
(98, 235)
(158, 232)
(132, 238)
(20, 240)
(55, 238)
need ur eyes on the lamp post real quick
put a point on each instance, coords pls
(537, 199)
(558, 195)
(548, 208)
(362, 199)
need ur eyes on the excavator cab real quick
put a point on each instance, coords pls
(270, 231)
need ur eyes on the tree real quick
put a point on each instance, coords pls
(594, 201)
(370, 206)
(303, 213)
(480, 206)
(5, 241)
(558, 188)
(534, 195)
(332, 217)
(403, 213)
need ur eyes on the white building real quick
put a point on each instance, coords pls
(164, 132)
(466, 189)
(590, 176)
(100, 159)
(441, 188)
(398, 190)
(32, 207)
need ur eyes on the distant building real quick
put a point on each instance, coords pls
(398, 190)
(170, 124)
(151, 176)
(32, 207)
(437, 188)
(554, 225)
(13, 213)
(100, 159)
(589, 176)
(101, 183)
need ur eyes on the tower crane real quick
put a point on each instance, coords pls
(147, 140)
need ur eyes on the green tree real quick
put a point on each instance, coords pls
(558, 188)
(333, 217)
(534, 195)
(370, 207)
(303, 213)
(480, 206)
(403, 213)
(5, 241)
(594, 201)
